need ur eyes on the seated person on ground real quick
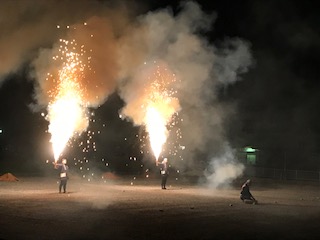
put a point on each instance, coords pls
(245, 194)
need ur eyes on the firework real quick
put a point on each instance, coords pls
(153, 103)
(67, 111)
(161, 105)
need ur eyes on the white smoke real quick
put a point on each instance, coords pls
(201, 67)
(121, 47)
(27, 26)
(223, 169)
(232, 59)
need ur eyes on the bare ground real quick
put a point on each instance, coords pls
(33, 209)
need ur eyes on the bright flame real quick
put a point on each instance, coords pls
(160, 107)
(156, 127)
(66, 116)
(67, 112)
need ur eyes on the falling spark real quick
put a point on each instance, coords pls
(160, 108)
(67, 112)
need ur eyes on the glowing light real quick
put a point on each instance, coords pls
(67, 110)
(65, 114)
(155, 105)
(156, 126)
(160, 108)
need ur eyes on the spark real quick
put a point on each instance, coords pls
(160, 107)
(67, 111)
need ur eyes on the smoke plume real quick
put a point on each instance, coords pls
(201, 68)
(223, 169)
(27, 26)
(120, 51)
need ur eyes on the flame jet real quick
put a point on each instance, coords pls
(77, 73)
(67, 110)
(156, 126)
(155, 105)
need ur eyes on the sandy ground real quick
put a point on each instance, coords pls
(33, 209)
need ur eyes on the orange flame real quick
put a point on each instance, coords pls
(67, 112)
(160, 107)
(156, 126)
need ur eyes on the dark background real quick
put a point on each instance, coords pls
(277, 100)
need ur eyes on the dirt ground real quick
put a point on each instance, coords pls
(116, 209)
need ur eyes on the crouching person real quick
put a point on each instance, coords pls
(245, 194)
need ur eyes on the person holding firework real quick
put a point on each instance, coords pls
(163, 172)
(63, 167)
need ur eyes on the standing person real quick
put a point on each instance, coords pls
(245, 194)
(164, 173)
(63, 174)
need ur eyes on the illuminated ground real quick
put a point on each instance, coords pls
(32, 209)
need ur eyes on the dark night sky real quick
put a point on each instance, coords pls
(276, 100)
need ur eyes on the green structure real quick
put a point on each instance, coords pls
(249, 155)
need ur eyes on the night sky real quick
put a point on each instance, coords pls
(271, 105)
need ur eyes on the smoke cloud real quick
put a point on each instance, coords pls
(201, 67)
(95, 38)
(223, 169)
(121, 50)
(27, 26)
